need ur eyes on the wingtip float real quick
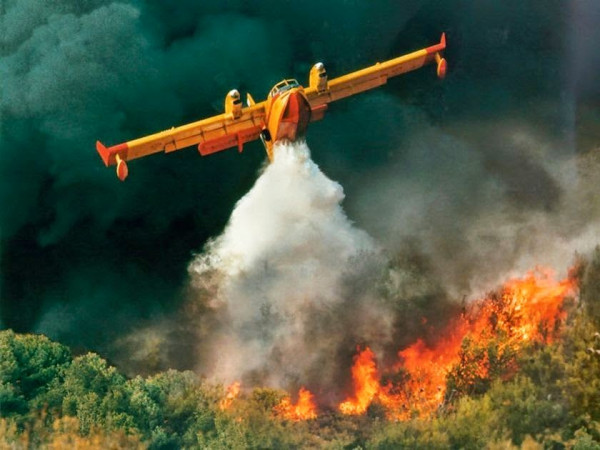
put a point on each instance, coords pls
(284, 115)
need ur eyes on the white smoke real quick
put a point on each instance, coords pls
(288, 280)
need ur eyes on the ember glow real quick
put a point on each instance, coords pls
(304, 409)
(526, 309)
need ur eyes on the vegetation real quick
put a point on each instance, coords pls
(50, 399)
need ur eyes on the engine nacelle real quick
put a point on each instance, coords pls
(442, 66)
(318, 77)
(233, 104)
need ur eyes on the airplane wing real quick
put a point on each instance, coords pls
(373, 76)
(210, 135)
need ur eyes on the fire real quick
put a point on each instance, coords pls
(531, 308)
(481, 344)
(366, 383)
(527, 309)
(304, 409)
(233, 391)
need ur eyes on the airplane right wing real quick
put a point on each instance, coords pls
(322, 92)
(210, 135)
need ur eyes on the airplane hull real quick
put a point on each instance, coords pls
(289, 116)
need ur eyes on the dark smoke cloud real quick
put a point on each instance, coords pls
(82, 73)
(460, 182)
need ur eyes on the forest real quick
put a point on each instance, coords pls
(545, 394)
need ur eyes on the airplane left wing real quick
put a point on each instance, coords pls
(211, 135)
(322, 92)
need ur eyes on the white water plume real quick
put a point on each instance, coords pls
(289, 280)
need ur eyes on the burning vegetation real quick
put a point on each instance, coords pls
(500, 359)
(518, 366)
(483, 343)
(304, 409)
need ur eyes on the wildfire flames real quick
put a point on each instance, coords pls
(528, 309)
(488, 335)
(304, 409)
(233, 391)
(366, 383)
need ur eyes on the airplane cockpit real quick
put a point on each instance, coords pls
(283, 86)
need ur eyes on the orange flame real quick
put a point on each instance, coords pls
(304, 409)
(233, 391)
(531, 308)
(528, 309)
(366, 383)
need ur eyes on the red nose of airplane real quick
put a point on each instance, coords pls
(296, 116)
(291, 113)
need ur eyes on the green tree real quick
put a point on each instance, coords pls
(581, 347)
(416, 434)
(29, 365)
(96, 394)
(581, 384)
(174, 409)
(589, 287)
(525, 408)
(473, 424)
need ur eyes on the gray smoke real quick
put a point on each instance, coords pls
(484, 202)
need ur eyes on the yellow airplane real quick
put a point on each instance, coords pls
(285, 113)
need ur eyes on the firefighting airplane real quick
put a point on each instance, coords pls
(285, 113)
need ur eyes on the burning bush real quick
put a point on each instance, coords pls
(475, 349)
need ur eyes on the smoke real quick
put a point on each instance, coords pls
(493, 204)
(290, 281)
(283, 296)
(584, 57)
(74, 72)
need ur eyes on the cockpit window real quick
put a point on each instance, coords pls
(283, 86)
